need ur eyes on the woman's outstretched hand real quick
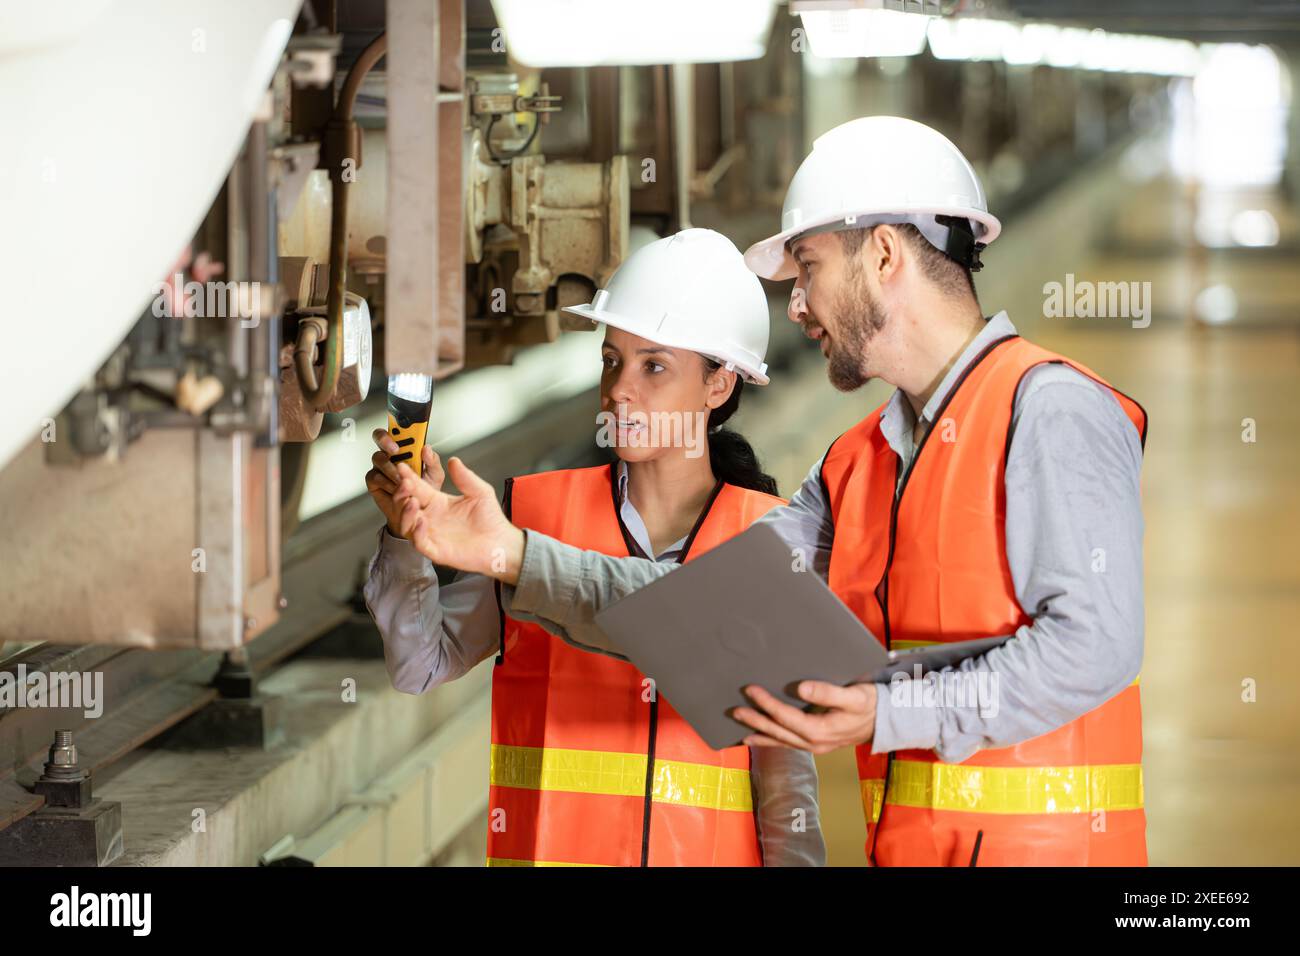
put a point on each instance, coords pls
(468, 531)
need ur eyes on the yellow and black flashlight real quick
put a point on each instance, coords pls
(410, 398)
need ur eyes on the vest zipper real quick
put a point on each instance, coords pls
(633, 550)
(649, 778)
(882, 590)
(882, 598)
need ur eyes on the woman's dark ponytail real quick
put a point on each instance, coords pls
(731, 456)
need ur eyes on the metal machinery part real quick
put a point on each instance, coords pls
(543, 236)
(537, 235)
(74, 828)
(305, 284)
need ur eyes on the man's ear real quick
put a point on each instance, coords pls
(886, 251)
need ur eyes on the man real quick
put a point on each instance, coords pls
(996, 493)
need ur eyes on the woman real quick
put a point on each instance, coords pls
(589, 766)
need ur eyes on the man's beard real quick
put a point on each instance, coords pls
(859, 316)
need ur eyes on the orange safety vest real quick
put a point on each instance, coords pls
(931, 567)
(589, 766)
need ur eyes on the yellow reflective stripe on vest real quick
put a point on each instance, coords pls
(912, 645)
(873, 790)
(621, 774)
(947, 786)
(503, 861)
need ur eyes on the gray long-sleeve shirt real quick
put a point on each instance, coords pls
(433, 635)
(1073, 541)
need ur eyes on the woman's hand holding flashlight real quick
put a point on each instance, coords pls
(468, 531)
(382, 480)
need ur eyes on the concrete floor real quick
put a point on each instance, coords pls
(1222, 775)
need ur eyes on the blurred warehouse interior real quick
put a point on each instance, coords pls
(1151, 143)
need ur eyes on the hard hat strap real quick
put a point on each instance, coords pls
(961, 244)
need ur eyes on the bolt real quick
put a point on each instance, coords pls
(63, 757)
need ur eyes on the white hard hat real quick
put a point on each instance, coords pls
(690, 291)
(880, 169)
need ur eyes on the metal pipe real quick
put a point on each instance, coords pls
(683, 112)
(342, 142)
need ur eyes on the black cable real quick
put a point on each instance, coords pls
(505, 160)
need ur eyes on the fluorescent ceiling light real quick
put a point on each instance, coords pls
(859, 31)
(1066, 49)
(1031, 44)
(544, 33)
(970, 38)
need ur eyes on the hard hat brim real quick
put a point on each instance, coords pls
(768, 258)
(637, 327)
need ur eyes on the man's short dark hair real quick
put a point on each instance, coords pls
(947, 273)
